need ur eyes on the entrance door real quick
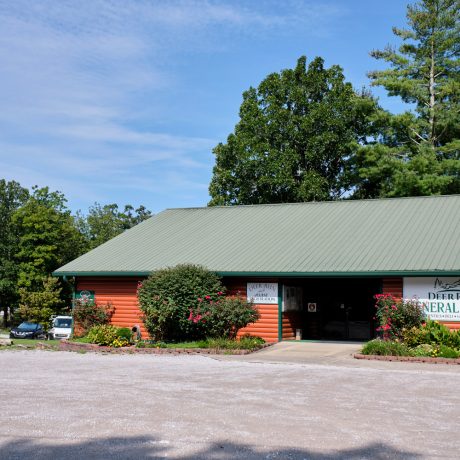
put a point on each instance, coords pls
(344, 308)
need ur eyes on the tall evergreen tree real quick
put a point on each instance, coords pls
(420, 150)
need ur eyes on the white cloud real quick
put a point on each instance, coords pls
(76, 75)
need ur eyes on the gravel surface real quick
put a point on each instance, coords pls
(88, 406)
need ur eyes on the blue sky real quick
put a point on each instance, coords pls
(123, 101)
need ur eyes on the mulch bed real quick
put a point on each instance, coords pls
(411, 359)
(64, 345)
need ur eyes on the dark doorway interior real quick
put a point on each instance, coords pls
(337, 308)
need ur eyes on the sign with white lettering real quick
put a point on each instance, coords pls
(264, 293)
(440, 296)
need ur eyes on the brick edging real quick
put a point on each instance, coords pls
(64, 345)
(411, 359)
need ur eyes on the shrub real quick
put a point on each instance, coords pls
(444, 351)
(245, 343)
(423, 350)
(432, 333)
(38, 306)
(108, 335)
(386, 348)
(87, 314)
(396, 315)
(167, 296)
(223, 318)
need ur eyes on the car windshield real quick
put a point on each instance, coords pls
(62, 322)
(28, 327)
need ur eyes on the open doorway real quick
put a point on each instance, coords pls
(329, 308)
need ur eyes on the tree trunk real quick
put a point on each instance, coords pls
(4, 308)
(432, 89)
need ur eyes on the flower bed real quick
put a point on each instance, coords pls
(411, 359)
(65, 345)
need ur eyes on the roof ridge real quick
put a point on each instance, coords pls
(235, 206)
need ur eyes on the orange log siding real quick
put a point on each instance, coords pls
(121, 293)
(393, 286)
(267, 326)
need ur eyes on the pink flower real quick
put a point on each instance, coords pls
(207, 297)
(220, 293)
(200, 299)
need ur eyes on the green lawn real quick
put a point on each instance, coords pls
(31, 344)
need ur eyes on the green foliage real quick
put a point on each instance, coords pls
(47, 237)
(386, 348)
(38, 306)
(108, 335)
(431, 333)
(295, 133)
(443, 351)
(246, 342)
(105, 222)
(223, 318)
(394, 316)
(12, 197)
(168, 295)
(418, 153)
(88, 314)
(423, 350)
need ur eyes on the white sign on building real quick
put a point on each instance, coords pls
(440, 296)
(264, 293)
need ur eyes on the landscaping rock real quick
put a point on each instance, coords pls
(5, 342)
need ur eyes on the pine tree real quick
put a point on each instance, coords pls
(425, 72)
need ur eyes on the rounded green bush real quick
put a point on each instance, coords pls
(167, 297)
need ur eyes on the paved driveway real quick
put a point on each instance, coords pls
(84, 406)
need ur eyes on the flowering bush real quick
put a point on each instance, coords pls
(167, 296)
(396, 315)
(223, 318)
(108, 335)
(87, 314)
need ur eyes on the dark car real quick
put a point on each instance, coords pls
(28, 331)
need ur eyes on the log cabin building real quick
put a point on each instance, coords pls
(311, 268)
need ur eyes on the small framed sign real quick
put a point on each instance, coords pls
(311, 307)
(84, 296)
(263, 293)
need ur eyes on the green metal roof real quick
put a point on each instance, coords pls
(417, 236)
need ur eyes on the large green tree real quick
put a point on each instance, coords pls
(12, 196)
(105, 222)
(419, 152)
(296, 133)
(47, 237)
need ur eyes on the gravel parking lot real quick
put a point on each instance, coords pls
(84, 406)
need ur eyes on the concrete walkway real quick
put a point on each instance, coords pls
(308, 352)
(327, 354)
